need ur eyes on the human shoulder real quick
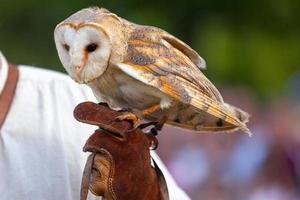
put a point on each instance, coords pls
(46, 79)
(31, 73)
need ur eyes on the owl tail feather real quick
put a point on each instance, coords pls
(240, 115)
(203, 122)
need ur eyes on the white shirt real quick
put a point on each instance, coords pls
(41, 143)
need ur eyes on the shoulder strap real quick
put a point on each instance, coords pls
(6, 97)
(161, 182)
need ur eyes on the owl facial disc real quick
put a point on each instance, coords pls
(83, 49)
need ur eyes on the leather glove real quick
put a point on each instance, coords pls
(119, 166)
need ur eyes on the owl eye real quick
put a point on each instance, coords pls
(66, 47)
(91, 47)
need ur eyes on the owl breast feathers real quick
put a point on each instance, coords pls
(144, 69)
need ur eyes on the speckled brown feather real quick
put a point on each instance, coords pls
(163, 66)
(163, 59)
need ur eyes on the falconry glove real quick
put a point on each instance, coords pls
(119, 166)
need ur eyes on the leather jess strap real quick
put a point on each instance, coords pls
(6, 97)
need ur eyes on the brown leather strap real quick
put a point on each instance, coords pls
(6, 97)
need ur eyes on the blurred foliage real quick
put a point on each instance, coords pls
(253, 43)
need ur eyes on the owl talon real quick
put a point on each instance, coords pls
(154, 131)
(145, 125)
(103, 104)
(126, 110)
(130, 117)
(158, 125)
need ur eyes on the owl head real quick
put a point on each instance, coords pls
(83, 43)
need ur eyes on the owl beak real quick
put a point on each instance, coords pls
(79, 68)
(78, 71)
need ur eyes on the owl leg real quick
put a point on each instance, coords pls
(165, 103)
(161, 123)
(130, 117)
(151, 110)
(158, 125)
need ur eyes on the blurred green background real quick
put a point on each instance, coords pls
(252, 43)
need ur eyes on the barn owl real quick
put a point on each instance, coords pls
(144, 69)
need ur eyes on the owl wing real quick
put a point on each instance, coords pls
(185, 49)
(156, 62)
